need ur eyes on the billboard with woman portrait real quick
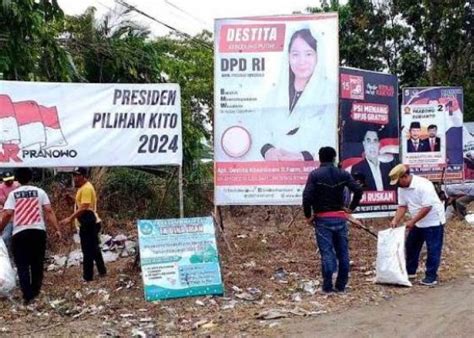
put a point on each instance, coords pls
(276, 104)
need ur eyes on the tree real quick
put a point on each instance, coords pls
(28, 46)
(443, 30)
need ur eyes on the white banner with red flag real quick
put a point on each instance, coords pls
(72, 124)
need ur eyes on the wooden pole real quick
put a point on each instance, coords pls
(181, 197)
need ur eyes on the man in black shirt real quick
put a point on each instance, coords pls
(323, 203)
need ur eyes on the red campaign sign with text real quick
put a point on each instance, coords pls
(252, 38)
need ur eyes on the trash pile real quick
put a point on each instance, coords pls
(113, 248)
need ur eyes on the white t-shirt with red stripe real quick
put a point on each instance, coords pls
(27, 204)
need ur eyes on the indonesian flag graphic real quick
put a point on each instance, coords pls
(30, 124)
(9, 132)
(52, 128)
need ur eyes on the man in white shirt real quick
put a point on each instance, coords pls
(418, 196)
(29, 207)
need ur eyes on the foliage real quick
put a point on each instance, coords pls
(29, 49)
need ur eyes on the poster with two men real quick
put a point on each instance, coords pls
(432, 122)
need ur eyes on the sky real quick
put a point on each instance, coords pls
(190, 16)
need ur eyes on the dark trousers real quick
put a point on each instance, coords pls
(333, 243)
(28, 248)
(433, 236)
(90, 244)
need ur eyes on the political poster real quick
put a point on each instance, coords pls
(276, 104)
(424, 136)
(369, 143)
(72, 124)
(179, 258)
(451, 98)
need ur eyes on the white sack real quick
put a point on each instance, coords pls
(7, 274)
(391, 267)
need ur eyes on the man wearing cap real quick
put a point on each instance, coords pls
(89, 224)
(29, 206)
(418, 196)
(323, 204)
(414, 143)
(8, 185)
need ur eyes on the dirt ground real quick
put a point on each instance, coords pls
(444, 311)
(271, 272)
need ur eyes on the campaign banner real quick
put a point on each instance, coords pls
(452, 99)
(276, 103)
(179, 258)
(84, 124)
(424, 136)
(369, 143)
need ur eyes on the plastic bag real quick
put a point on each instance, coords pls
(390, 266)
(7, 274)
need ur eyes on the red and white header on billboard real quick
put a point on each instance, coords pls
(252, 38)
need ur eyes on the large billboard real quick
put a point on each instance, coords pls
(276, 103)
(450, 99)
(78, 124)
(369, 143)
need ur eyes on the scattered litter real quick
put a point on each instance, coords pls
(470, 219)
(250, 264)
(272, 314)
(200, 303)
(284, 313)
(230, 305)
(110, 256)
(112, 249)
(137, 332)
(126, 315)
(209, 325)
(310, 287)
(171, 326)
(252, 294)
(146, 320)
(236, 288)
(200, 323)
(76, 238)
(296, 297)
(246, 296)
(280, 274)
